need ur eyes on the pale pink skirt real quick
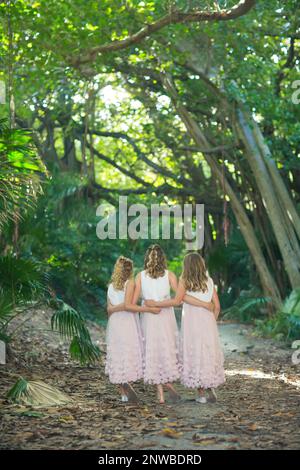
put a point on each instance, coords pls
(160, 347)
(201, 354)
(124, 362)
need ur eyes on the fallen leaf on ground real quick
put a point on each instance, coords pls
(169, 432)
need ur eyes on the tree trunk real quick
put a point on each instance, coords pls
(51, 156)
(277, 208)
(279, 185)
(272, 203)
(268, 284)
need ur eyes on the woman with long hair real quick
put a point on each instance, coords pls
(201, 355)
(160, 333)
(124, 361)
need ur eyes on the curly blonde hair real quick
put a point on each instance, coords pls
(194, 274)
(155, 263)
(123, 270)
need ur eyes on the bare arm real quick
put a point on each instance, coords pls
(216, 302)
(137, 289)
(114, 308)
(189, 299)
(133, 307)
(180, 293)
(173, 281)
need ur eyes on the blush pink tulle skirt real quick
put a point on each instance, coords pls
(160, 347)
(124, 361)
(201, 355)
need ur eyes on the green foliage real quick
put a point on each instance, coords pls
(232, 265)
(83, 350)
(249, 306)
(286, 323)
(22, 279)
(17, 390)
(242, 58)
(67, 321)
(22, 282)
(71, 325)
(19, 164)
(61, 234)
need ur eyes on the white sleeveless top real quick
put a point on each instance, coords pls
(204, 296)
(116, 296)
(155, 289)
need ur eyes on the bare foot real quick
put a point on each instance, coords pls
(160, 395)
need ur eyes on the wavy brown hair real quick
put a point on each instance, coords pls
(123, 270)
(194, 274)
(155, 263)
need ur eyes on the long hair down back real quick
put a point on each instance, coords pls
(123, 270)
(155, 263)
(194, 273)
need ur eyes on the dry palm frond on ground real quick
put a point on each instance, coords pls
(36, 393)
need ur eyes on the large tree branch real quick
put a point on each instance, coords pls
(113, 163)
(173, 17)
(141, 156)
(164, 189)
(289, 64)
(217, 149)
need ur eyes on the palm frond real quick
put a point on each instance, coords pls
(291, 305)
(83, 350)
(6, 306)
(22, 279)
(19, 169)
(286, 323)
(36, 393)
(67, 321)
(247, 306)
(70, 324)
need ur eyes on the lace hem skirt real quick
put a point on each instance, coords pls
(124, 361)
(201, 355)
(160, 347)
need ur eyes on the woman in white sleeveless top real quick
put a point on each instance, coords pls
(124, 361)
(201, 355)
(160, 333)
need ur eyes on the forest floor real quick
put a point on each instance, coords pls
(258, 407)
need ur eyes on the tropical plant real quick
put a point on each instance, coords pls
(36, 393)
(286, 323)
(69, 323)
(20, 167)
(247, 307)
(22, 283)
(192, 114)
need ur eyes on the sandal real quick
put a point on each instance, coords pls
(201, 400)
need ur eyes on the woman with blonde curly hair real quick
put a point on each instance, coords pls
(124, 362)
(160, 332)
(201, 355)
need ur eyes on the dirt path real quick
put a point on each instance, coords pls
(258, 407)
